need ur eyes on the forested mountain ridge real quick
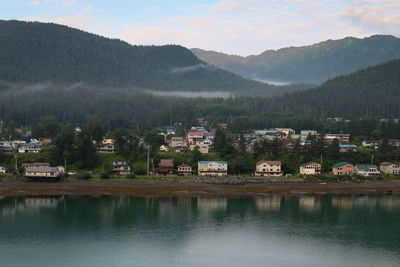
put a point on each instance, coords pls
(371, 92)
(312, 64)
(32, 52)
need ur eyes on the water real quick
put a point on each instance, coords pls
(200, 231)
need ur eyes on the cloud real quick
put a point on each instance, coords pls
(35, 3)
(243, 27)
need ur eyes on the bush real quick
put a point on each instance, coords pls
(83, 176)
(132, 175)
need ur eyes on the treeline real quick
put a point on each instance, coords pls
(31, 106)
(372, 92)
(33, 52)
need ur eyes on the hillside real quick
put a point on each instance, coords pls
(309, 64)
(32, 52)
(371, 92)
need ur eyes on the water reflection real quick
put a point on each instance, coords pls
(201, 231)
(268, 203)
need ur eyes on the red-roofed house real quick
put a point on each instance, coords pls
(268, 168)
(36, 164)
(185, 170)
(166, 166)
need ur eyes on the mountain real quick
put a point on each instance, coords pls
(33, 52)
(309, 64)
(371, 92)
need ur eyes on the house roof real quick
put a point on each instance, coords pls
(347, 146)
(184, 165)
(270, 162)
(388, 163)
(365, 167)
(309, 163)
(35, 164)
(166, 162)
(42, 169)
(341, 164)
(206, 162)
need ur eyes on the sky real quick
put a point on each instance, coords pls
(239, 27)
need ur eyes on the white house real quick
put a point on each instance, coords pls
(310, 168)
(212, 168)
(3, 169)
(268, 168)
(32, 147)
(366, 170)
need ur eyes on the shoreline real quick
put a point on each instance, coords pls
(23, 187)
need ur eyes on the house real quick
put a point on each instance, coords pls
(8, 146)
(286, 131)
(310, 168)
(394, 142)
(163, 148)
(341, 138)
(372, 143)
(106, 146)
(305, 133)
(212, 168)
(166, 166)
(366, 170)
(32, 147)
(204, 149)
(35, 164)
(185, 170)
(347, 148)
(178, 141)
(121, 168)
(343, 168)
(42, 172)
(268, 168)
(3, 169)
(181, 149)
(45, 141)
(194, 135)
(390, 168)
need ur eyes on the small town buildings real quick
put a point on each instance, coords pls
(3, 169)
(343, 168)
(372, 143)
(212, 168)
(185, 170)
(166, 166)
(106, 146)
(121, 168)
(390, 168)
(268, 168)
(366, 170)
(347, 148)
(35, 164)
(32, 147)
(310, 168)
(42, 172)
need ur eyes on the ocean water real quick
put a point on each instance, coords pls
(267, 230)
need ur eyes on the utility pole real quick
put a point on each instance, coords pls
(372, 159)
(148, 160)
(16, 163)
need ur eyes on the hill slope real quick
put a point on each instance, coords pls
(309, 64)
(32, 52)
(371, 92)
